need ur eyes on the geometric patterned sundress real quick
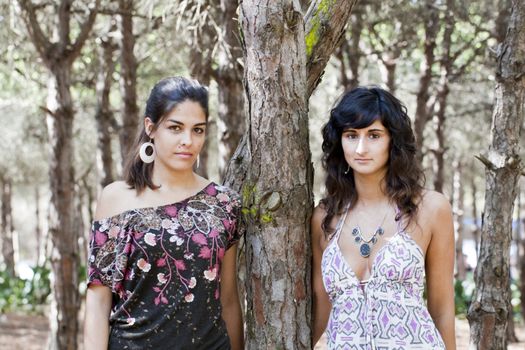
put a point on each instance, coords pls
(387, 312)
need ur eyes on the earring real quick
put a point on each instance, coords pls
(347, 170)
(144, 156)
(198, 161)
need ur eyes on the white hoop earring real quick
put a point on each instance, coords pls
(144, 156)
(198, 161)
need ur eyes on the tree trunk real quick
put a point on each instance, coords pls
(38, 230)
(350, 51)
(475, 229)
(6, 228)
(128, 79)
(231, 121)
(488, 313)
(458, 220)
(423, 103)
(442, 96)
(104, 115)
(277, 193)
(64, 256)
(58, 57)
(521, 260)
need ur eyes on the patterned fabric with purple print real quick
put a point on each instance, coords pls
(386, 313)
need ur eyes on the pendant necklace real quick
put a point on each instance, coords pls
(365, 245)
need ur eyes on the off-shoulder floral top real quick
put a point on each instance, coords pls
(163, 265)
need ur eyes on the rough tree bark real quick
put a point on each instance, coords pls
(104, 115)
(488, 313)
(58, 56)
(128, 79)
(277, 191)
(6, 227)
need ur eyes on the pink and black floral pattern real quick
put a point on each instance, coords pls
(163, 265)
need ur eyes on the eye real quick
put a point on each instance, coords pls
(175, 128)
(352, 136)
(374, 136)
(199, 130)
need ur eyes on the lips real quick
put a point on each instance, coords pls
(184, 155)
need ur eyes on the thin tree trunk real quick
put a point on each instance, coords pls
(104, 115)
(442, 96)
(64, 257)
(488, 313)
(521, 261)
(128, 79)
(201, 62)
(231, 121)
(7, 228)
(475, 229)
(423, 103)
(458, 220)
(38, 229)
(58, 57)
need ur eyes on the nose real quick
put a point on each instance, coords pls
(186, 139)
(361, 146)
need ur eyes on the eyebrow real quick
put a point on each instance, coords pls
(181, 123)
(370, 130)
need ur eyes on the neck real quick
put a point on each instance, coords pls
(370, 189)
(170, 179)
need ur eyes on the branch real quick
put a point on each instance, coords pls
(325, 23)
(490, 164)
(35, 32)
(84, 31)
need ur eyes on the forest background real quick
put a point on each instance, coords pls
(75, 76)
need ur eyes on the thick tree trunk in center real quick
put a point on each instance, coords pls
(277, 192)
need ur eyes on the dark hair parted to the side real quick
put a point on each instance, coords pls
(163, 98)
(404, 179)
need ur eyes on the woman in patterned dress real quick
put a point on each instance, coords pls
(378, 236)
(162, 270)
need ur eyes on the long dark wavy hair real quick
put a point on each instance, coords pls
(163, 98)
(404, 179)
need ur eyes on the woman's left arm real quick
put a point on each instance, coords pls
(440, 268)
(231, 307)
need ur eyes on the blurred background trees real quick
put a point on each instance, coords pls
(74, 93)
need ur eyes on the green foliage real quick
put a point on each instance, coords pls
(461, 301)
(17, 294)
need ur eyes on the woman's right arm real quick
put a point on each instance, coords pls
(96, 323)
(321, 303)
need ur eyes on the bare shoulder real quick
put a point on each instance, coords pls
(318, 236)
(434, 207)
(114, 199)
(318, 216)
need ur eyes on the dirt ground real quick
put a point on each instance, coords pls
(22, 332)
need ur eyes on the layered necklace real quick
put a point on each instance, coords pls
(365, 245)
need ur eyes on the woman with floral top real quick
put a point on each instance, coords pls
(162, 269)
